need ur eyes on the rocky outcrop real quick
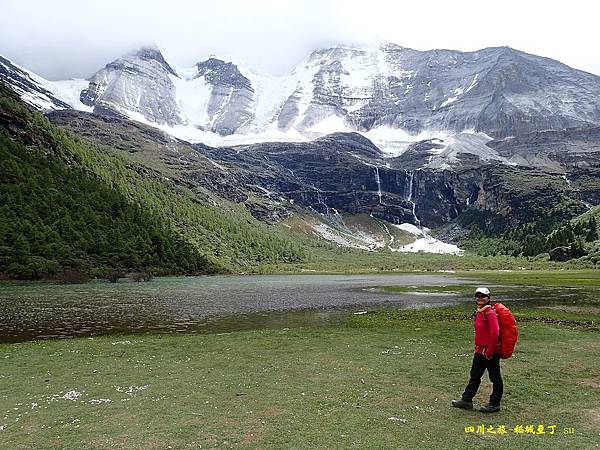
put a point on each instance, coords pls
(561, 254)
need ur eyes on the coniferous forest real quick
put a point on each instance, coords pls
(68, 206)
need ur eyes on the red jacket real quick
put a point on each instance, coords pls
(487, 331)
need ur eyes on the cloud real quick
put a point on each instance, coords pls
(74, 38)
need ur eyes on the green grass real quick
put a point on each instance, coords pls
(326, 258)
(382, 380)
(581, 278)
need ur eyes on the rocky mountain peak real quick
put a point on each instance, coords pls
(141, 59)
(138, 82)
(335, 52)
(498, 91)
(152, 53)
(219, 72)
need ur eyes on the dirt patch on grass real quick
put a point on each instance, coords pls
(230, 421)
(589, 347)
(576, 366)
(591, 382)
(271, 411)
(253, 436)
(593, 416)
(575, 309)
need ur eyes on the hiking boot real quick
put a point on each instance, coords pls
(462, 404)
(489, 408)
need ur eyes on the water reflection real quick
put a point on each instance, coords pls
(199, 304)
(215, 304)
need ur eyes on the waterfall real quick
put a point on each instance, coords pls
(321, 200)
(409, 196)
(387, 230)
(410, 186)
(332, 215)
(378, 181)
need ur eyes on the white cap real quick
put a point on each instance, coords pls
(482, 290)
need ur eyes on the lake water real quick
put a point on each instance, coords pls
(201, 304)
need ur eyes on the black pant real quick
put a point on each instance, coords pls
(493, 367)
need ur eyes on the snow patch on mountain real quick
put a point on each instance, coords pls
(410, 228)
(69, 91)
(195, 135)
(33, 89)
(395, 141)
(366, 241)
(425, 242)
(332, 124)
(428, 244)
(361, 241)
(192, 97)
(463, 143)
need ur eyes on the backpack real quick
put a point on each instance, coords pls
(508, 330)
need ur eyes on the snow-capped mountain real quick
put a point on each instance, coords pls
(137, 85)
(394, 95)
(498, 91)
(230, 98)
(40, 93)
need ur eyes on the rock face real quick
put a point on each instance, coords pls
(574, 154)
(499, 91)
(231, 97)
(347, 173)
(138, 83)
(33, 90)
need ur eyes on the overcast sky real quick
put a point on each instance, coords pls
(73, 38)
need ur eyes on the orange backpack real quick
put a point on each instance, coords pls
(508, 330)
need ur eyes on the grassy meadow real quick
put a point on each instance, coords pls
(379, 380)
(384, 381)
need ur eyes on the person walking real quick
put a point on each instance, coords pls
(486, 355)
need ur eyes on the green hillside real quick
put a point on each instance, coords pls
(577, 238)
(68, 205)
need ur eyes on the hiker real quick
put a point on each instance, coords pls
(487, 355)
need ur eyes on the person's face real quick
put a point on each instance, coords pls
(481, 299)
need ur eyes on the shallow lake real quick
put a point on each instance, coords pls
(208, 304)
(199, 304)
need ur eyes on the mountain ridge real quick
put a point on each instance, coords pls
(498, 91)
